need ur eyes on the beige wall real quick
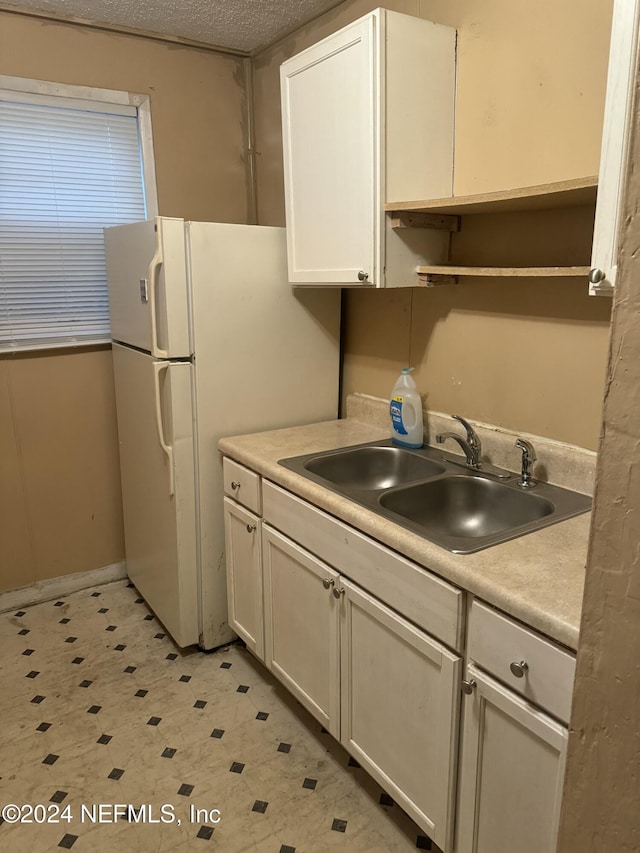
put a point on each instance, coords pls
(530, 97)
(602, 786)
(526, 354)
(60, 507)
(197, 104)
(529, 356)
(530, 91)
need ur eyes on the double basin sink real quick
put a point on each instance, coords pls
(432, 494)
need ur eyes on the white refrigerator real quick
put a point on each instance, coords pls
(209, 339)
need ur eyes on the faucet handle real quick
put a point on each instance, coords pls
(472, 436)
(526, 480)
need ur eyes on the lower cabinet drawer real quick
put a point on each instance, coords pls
(527, 663)
(426, 600)
(242, 485)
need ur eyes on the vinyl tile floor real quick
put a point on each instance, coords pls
(114, 739)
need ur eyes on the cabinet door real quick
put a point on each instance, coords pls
(616, 140)
(400, 704)
(244, 574)
(330, 142)
(511, 772)
(302, 626)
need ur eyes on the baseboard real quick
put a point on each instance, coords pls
(45, 590)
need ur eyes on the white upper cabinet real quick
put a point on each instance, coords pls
(368, 118)
(614, 158)
(330, 157)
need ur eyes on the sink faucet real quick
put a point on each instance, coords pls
(471, 445)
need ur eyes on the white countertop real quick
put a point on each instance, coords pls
(537, 578)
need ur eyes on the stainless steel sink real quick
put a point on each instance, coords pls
(454, 511)
(372, 467)
(433, 494)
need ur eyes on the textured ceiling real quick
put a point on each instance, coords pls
(242, 25)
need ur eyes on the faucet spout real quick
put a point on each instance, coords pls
(470, 445)
(473, 438)
(470, 452)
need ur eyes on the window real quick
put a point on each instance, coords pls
(71, 163)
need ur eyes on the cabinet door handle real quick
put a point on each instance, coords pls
(468, 687)
(519, 668)
(235, 485)
(363, 276)
(327, 583)
(338, 591)
(250, 528)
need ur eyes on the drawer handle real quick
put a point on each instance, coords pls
(235, 485)
(250, 528)
(468, 686)
(337, 592)
(327, 583)
(519, 668)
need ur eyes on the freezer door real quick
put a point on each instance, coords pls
(148, 291)
(155, 428)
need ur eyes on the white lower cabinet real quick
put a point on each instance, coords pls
(387, 690)
(400, 696)
(514, 736)
(306, 594)
(302, 626)
(511, 772)
(244, 574)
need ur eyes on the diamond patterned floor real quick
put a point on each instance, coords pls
(99, 708)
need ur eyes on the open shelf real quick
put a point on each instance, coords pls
(445, 274)
(447, 214)
(572, 193)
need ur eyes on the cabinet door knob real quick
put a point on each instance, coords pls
(468, 686)
(235, 485)
(596, 276)
(337, 592)
(250, 528)
(327, 583)
(519, 668)
(363, 276)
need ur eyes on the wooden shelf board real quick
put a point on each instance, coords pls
(571, 193)
(505, 272)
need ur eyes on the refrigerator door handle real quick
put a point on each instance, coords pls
(158, 367)
(154, 275)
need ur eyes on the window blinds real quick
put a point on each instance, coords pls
(65, 174)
